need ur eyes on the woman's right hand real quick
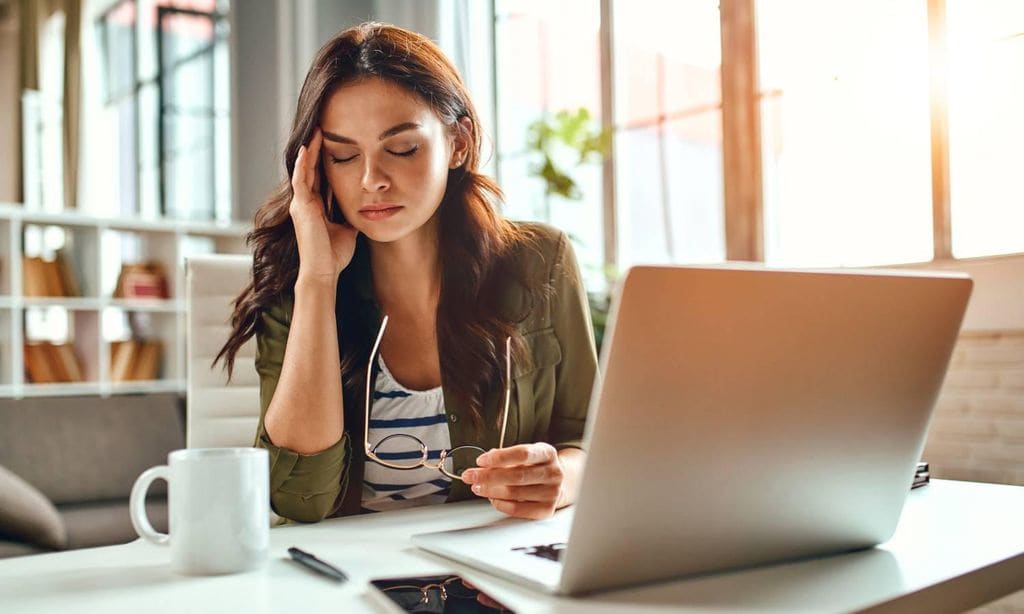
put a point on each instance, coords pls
(325, 248)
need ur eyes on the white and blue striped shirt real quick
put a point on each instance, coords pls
(397, 409)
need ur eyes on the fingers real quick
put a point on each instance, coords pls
(314, 160)
(299, 172)
(536, 493)
(304, 176)
(521, 490)
(313, 151)
(520, 475)
(524, 509)
(487, 602)
(483, 599)
(341, 233)
(524, 454)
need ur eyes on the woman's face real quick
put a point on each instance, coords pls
(386, 156)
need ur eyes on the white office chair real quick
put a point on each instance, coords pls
(218, 413)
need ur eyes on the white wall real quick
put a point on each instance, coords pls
(997, 302)
(256, 135)
(977, 432)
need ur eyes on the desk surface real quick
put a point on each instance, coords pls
(959, 544)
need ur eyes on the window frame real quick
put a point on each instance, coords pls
(133, 92)
(741, 134)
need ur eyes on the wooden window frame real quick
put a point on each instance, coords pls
(741, 133)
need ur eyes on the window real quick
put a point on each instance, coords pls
(548, 60)
(43, 122)
(845, 132)
(166, 74)
(668, 131)
(986, 126)
(668, 124)
(857, 163)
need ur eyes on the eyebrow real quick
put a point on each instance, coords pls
(392, 131)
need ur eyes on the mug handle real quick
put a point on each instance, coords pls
(137, 504)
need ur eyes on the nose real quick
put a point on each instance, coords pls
(374, 177)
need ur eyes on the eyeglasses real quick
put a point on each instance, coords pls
(449, 461)
(432, 595)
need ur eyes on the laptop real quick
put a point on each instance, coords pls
(742, 415)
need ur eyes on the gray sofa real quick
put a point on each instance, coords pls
(67, 465)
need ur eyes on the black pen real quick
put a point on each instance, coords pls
(321, 567)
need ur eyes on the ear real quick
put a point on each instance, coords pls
(460, 142)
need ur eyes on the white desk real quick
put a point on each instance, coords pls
(959, 544)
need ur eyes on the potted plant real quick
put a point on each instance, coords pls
(560, 140)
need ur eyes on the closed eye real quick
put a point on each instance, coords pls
(406, 153)
(402, 154)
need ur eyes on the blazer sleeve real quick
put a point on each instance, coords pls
(574, 374)
(302, 487)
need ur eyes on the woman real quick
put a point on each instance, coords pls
(386, 215)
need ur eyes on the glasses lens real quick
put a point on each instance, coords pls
(458, 590)
(400, 451)
(460, 459)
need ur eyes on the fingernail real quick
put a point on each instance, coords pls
(483, 459)
(469, 476)
(477, 488)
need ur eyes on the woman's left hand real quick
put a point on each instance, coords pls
(524, 481)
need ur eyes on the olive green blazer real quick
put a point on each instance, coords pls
(550, 392)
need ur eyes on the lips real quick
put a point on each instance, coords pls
(378, 207)
(379, 211)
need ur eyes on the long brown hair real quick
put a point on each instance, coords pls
(475, 240)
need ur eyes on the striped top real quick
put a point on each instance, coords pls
(397, 409)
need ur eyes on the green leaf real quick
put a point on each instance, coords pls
(575, 130)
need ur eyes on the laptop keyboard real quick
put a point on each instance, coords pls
(552, 552)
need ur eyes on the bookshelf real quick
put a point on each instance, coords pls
(93, 322)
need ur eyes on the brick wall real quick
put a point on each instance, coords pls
(977, 432)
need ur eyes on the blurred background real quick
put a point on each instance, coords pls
(795, 132)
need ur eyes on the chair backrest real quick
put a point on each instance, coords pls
(219, 413)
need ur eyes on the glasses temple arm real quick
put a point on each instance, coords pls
(508, 390)
(369, 372)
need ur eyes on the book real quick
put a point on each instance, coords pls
(921, 475)
(52, 278)
(135, 360)
(38, 365)
(33, 277)
(69, 284)
(146, 365)
(48, 363)
(146, 280)
(47, 277)
(122, 357)
(144, 285)
(63, 357)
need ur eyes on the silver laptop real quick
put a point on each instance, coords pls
(743, 415)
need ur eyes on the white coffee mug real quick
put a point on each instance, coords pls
(219, 506)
